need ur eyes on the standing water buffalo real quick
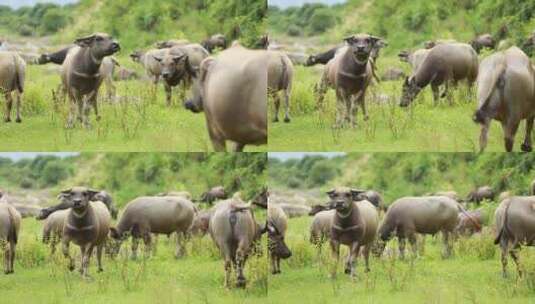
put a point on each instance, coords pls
(349, 73)
(87, 225)
(157, 214)
(277, 223)
(53, 228)
(102, 196)
(373, 197)
(408, 216)
(506, 92)
(280, 77)
(150, 64)
(470, 222)
(354, 225)
(479, 194)
(12, 74)
(483, 41)
(81, 75)
(10, 220)
(178, 64)
(515, 226)
(234, 231)
(105, 198)
(444, 64)
(237, 115)
(215, 41)
(321, 226)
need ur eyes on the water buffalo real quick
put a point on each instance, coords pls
(240, 115)
(86, 225)
(102, 196)
(277, 223)
(234, 231)
(479, 194)
(158, 215)
(373, 197)
(506, 92)
(215, 41)
(444, 64)
(81, 75)
(408, 216)
(483, 41)
(12, 75)
(415, 58)
(320, 228)
(171, 43)
(470, 222)
(201, 222)
(515, 226)
(280, 77)
(432, 43)
(214, 194)
(354, 225)
(150, 64)
(10, 220)
(53, 228)
(349, 73)
(178, 64)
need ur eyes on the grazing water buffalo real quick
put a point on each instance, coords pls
(154, 214)
(349, 73)
(515, 226)
(354, 225)
(444, 64)
(10, 220)
(148, 61)
(408, 216)
(483, 41)
(479, 194)
(215, 41)
(102, 196)
(178, 64)
(87, 225)
(214, 194)
(470, 222)
(53, 228)
(201, 222)
(277, 223)
(81, 74)
(12, 74)
(280, 77)
(234, 231)
(231, 114)
(506, 92)
(171, 43)
(320, 229)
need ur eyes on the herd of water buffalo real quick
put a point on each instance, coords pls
(505, 80)
(356, 218)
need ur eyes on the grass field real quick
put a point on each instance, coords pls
(421, 127)
(472, 275)
(137, 120)
(196, 278)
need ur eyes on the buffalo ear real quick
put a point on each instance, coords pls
(193, 71)
(376, 40)
(349, 39)
(85, 41)
(114, 233)
(92, 193)
(66, 191)
(177, 58)
(157, 58)
(355, 193)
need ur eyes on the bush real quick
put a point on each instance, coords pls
(53, 20)
(294, 30)
(54, 172)
(321, 20)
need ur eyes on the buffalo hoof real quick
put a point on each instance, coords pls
(9, 272)
(7, 120)
(347, 271)
(276, 272)
(18, 120)
(276, 119)
(100, 270)
(71, 267)
(526, 148)
(240, 283)
(287, 119)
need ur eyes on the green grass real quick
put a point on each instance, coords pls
(421, 127)
(197, 278)
(137, 121)
(473, 275)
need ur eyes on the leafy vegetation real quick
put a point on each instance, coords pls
(309, 19)
(40, 19)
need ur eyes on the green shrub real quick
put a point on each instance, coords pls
(321, 20)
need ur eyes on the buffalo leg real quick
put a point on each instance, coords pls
(351, 259)
(277, 104)
(321, 90)
(513, 254)
(447, 244)
(135, 244)
(179, 245)
(241, 256)
(87, 251)
(505, 249)
(9, 103)
(228, 271)
(217, 142)
(66, 254)
(483, 136)
(7, 255)
(287, 105)
(414, 247)
(86, 106)
(168, 92)
(19, 97)
(401, 241)
(147, 241)
(436, 93)
(238, 147)
(94, 102)
(12, 248)
(366, 254)
(361, 100)
(99, 257)
(72, 110)
(509, 130)
(526, 146)
(335, 250)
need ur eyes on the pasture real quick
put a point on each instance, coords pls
(472, 275)
(422, 126)
(135, 120)
(196, 278)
